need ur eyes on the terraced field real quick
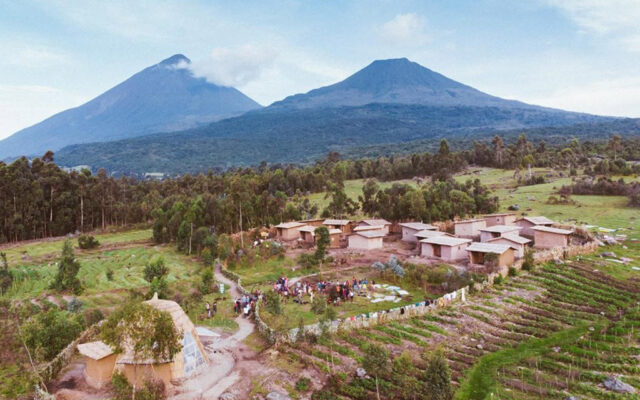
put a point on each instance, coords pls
(549, 334)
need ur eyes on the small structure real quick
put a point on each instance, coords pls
(517, 243)
(469, 228)
(478, 251)
(409, 230)
(425, 234)
(191, 358)
(363, 228)
(307, 233)
(335, 235)
(546, 237)
(313, 222)
(496, 231)
(289, 230)
(367, 240)
(500, 219)
(446, 248)
(99, 363)
(527, 223)
(343, 224)
(376, 222)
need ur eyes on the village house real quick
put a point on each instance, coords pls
(99, 363)
(546, 237)
(367, 240)
(362, 228)
(517, 243)
(313, 222)
(376, 222)
(409, 230)
(344, 225)
(446, 248)
(500, 219)
(307, 233)
(191, 358)
(470, 228)
(288, 231)
(527, 223)
(335, 236)
(425, 234)
(477, 253)
(496, 231)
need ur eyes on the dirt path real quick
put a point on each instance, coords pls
(231, 359)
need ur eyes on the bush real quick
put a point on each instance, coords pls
(274, 306)
(151, 389)
(93, 316)
(109, 274)
(49, 333)
(497, 280)
(319, 304)
(303, 384)
(513, 271)
(528, 263)
(160, 286)
(307, 261)
(68, 268)
(207, 281)
(87, 242)
(74, 305)
(156, 268)
(207, 258)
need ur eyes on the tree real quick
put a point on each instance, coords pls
(437, 377)
(615, 145)
(207, 280)
(155, 268)
(68, 268)
(323, 240)
(498, 149)
(273, 303)
(46, 334)
(6, 278)
(368, 198)
(144, 331)
(376, 363)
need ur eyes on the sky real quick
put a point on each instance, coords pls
(579, 55)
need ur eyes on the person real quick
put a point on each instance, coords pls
(208, 307)
(351, 294)
(215, 308)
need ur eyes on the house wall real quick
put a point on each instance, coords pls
(526, 228)
(548, 240)
(307, 237)
(288, 233)
(470, 230)
(385, 228)
(363, 243)
(335, 241)
(500, 220)
(98, 373)
(409, 235)
(143, 372)
(507, 258)
(447, 253)
(518, 250)
(486, 236)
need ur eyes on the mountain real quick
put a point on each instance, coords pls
(397, 81)
(161, 98)
(387, 103)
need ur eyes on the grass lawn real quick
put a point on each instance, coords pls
(259, 271)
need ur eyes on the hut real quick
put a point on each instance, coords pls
(307, 233)
(316, 222)
(546, 237)
(343, 224)
(99, 363)
(367, 240)
(446, 248)
(425, 234)
(191, 358)
(496, 231)
(500, 219)
(409, 230)
(376, 222)
(289, 230)
(363, 228)
(470, 228)
(527, 223)
(517, 243)
(335, 235)
(477, 252)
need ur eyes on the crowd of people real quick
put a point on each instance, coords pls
(246, 304)
(335, 291)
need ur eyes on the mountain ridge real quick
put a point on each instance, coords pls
(162, 97)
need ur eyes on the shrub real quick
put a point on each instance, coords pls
(156, 268)
(87, 242)
(6, 278)
(68, 268)
(93, 316)
(528, 263)
(302, 385)
(151, 389)
(48, 333)
(513, 271)
(497, 280)
(307, 261)
(160, 286)
(273, 304)
(207, 281)
(319, 304)
(109, 274)
(74, 305)
(207, 258)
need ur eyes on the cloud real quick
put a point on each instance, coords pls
(235, 66)
(615, 97)
(405, 29)
(617, 19)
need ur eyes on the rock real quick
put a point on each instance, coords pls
(571, 398)
(479, 346)
(278, 396)
(227, 396)
(531, 198)
(610, 240)
(558, 261)
(556, 349)
(626, 260)
(591, 329)
(361, 373)
(599, 242)
(616, 385)
(514, 207)
(608, 254)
